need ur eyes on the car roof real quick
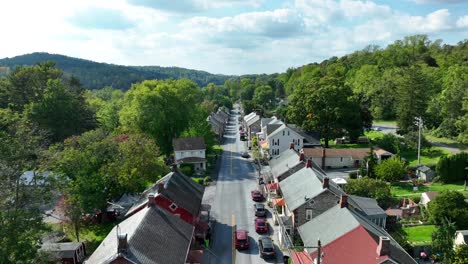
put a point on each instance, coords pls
(256, 191)
(241, 234)
(259, 205)
(258, 219)
(266, 241)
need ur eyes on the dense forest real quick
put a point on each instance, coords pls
(94, 75)
(105, 142)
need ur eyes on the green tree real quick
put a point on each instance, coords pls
(442, 240)
(160, 109)
(412, 97)
(452, 168)
(61, 111)
(450, 205)
(460, 254)
(264, 96)
(391, 169)
(368, 187)
(198, 127)
(326, 107)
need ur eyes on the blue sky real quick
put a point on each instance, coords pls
(222, 36)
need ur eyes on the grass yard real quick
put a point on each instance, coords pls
(380, 122)
(373, 135)
(419, 234)
(406, 188)
(429, 156)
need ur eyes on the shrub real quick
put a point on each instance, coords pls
(207, 180)
(353, 175)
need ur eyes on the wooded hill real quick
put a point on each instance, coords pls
(94, 75)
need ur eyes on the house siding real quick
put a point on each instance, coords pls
(284, 141)
(189, 153)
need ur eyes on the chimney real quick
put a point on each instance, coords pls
(309, 163)
(344, 201)
(301, 157)
(323, 158)
(160, 187)
(151, 200)
(383, 249)
(326, 183)
(122, 243)
(291, 145)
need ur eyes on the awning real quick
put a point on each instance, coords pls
(278, 202)
(272, 186)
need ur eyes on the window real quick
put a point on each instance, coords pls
(201, 152)
(288, 132)
(294, 141)
(277, 143)
(173, 206)
(341, 159)
(298, 141)
(181, 153)
(308, 214)
(283, 132)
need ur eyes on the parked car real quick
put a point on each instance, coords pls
(245, 154)
(266, 248)
(259, 210)
(257, 195)
(241, 239)
(260, 180)
(261, 225)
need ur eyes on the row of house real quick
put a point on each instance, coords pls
(218, 121)
(311, 207)
(165, 225)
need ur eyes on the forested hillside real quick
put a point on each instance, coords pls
(95, 75)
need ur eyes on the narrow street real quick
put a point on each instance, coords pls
(233, 206)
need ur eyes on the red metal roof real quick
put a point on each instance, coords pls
(300, 258)
(355, 247)
(278, 202)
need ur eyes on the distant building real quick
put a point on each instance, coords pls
(425, 173)
(65, 252)
(190, 151)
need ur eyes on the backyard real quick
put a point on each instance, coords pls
(406, 188)
(420, 234)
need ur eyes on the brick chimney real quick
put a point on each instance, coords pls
(344, 201)
(151, 201)
(309, 163)
(323, 158)
(301, 157)
(122, 243)
(326, 183)
(291, 145)
(383, 249)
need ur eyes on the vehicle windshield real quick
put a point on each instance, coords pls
(268, 249)
(241, 241)
(260, 223)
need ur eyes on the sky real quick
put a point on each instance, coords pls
(221, 36)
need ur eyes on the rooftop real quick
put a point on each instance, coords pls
(181, 144)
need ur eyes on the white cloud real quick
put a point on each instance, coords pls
(193, 6)
(462, 22)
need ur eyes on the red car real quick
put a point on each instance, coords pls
(261, 225)
(241, 239)
(257, 196)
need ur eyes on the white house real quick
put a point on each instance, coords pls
(252, 124)
(426, 197)
(190, 151)
(279, 136)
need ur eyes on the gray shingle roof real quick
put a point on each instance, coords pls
(192, 143)
(253, 120)
(270, 128)
(284, 162)
(61, 250)
(310, 138)
(299, 186)
(154, 236)
(366, 206)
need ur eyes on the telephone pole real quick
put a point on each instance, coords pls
(420, 124)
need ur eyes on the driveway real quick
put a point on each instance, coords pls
(232, 206)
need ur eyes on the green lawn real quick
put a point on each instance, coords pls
(429, 156)
(406, 188)
(419, 234)
(384, 122)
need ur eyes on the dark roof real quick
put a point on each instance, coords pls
(183, 191)
(423, 168)
(310, 138)
(179, 188)
(62, 250)
(272, 127)
(153, 235)
(192, 143)
(366, 206)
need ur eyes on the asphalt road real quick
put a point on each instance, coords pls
(232, 206)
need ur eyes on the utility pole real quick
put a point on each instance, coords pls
(420, 124)
(319, 252)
